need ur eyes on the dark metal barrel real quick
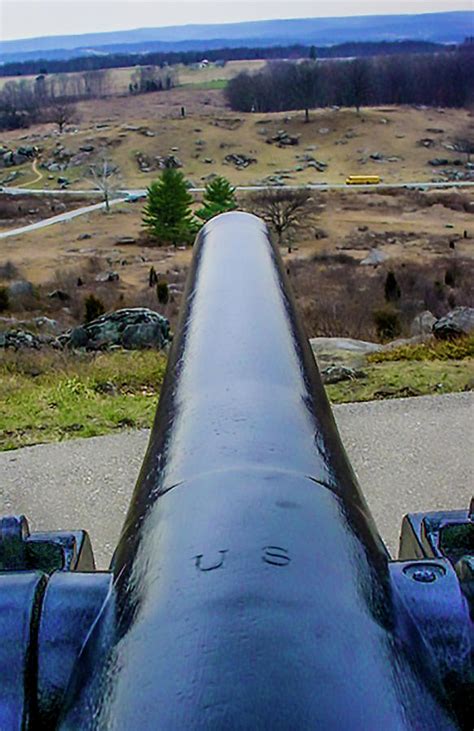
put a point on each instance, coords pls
(251, 586)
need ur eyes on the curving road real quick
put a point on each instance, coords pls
(410, 455)
(124, 194)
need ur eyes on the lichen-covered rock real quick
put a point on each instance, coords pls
(457, 322)
(423, 323)
(131, 328)
(17, 339)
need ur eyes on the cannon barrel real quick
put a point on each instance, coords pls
(251, 589)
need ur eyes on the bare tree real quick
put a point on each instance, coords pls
(96, 82)
(283, 210)
(62, 114)
(305, 86)
(106, 177)
(358, 82)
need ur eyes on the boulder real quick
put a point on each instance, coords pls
(22, 288)
(239, 160)
(140, 336)
(342, 351)
(337, 373)
(374, 258)
(19, 339)
(107, 277)
(423, 323)
(457, 322)
(137, 327)
(59, 294)
(438, 161)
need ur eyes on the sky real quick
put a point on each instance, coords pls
(34, 18)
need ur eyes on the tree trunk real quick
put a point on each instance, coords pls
(306, 115)
(107, 204)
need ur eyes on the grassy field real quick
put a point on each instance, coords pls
(51, 395)
(152, 125)
(119, 78)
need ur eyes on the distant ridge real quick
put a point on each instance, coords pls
(447, 27)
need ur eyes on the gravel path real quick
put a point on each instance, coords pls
(409, 454)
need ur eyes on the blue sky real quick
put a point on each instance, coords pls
(31, 18)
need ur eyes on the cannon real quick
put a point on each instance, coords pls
(250, 588)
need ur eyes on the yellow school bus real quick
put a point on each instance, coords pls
(363, 180)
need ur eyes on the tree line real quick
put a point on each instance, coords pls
(162, 58)
(445, 80)
(51, 98)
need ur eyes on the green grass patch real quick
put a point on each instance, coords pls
(433, 349)
(54, 395)
(213, 84)
(51, 396)
(398, 379)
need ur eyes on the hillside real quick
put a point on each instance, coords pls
(448, 27)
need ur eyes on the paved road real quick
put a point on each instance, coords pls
(142, 192)
(409, 454)
(60, 218)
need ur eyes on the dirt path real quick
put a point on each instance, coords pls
(38, 173)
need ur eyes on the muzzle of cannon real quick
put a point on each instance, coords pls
(250, 589)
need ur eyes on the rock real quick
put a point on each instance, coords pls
(342, 351)
(374, 258)
(324, 130)
(320, 233)
(20, 289)
(63, 182)
(126, 240)
(239, 160)
(438, 161)
(19, 339)
(426, 142)
(459, 321)
(87, 148)
(283, 139)
(423, 323)
(59, 294)
(84, 236)
(337, 373)
(136, 327)
(78, 338)
(148, 335)
(171, 161)
(107, 277)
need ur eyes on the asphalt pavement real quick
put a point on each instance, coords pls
(410, 455)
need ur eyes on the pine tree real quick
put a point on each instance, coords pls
(219, 197)
(167, 214)
(392, 289)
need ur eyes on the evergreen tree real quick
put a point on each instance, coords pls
(392, 289)
(167, 214)
(219, 197)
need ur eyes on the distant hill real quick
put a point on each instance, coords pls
(448, 27)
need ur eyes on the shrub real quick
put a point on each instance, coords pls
(387, 323)
(93, 308)
(162, 293)
(4, 299)
(392, 290)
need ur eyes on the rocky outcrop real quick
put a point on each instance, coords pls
(130, 328)
(283, 139)
(25, 153)
(239, 160)
(456, 323)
